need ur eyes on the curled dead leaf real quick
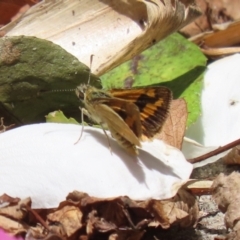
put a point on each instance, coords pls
(85, 217)
(226, 193)
(12, 215)
(181, 209)
(6, 200)
(174, 128)
(68, 219)
(16, 211)
(4, 128)
(96, 224)
(233, 157)
(12, 226)
(127, 234)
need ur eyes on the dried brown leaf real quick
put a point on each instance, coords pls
(69, 220)
(16, 212)
(4, 128)
(158, 210)
(226, 193)
(127, 234)
(76, 196)
(108, 209)
(36, 233)
(12, 226)
(233, 157)
(6, 200)
(187, 202)
(174, 128)
(84, 217)
(97, 225)
(182, 209)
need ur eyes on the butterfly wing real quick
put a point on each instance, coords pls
(153, 104)
(128, 111)
(119, 129)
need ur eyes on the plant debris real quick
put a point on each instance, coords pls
(226, 193)
(84, 217)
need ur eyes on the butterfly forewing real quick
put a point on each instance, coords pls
(153, 104)
(128, 112)
(119, 129)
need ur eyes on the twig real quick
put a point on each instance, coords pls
(36, 215)
(4, 128)
(215, 152)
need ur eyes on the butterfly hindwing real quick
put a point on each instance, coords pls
(128, 111)
(153, 104)
(115, 123)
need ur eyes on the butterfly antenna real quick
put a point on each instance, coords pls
(63, 90)
(89, 77)
(42, 92)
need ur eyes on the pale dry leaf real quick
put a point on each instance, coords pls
(199, 187)
(220, 52)
(174, 128)
(216, 39)
(233, 157)
(226, 193)
(113, 30)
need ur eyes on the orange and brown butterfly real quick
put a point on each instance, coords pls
(131, 115)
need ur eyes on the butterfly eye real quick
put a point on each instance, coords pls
(80, 92)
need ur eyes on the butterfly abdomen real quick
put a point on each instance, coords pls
(124, 143)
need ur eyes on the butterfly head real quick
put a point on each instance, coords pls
(81, 91)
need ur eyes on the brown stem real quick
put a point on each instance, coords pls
(215, 152)
(36, 215)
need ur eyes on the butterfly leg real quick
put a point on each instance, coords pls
(83, 112)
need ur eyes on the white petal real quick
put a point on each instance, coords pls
(219, 123)
(220, 120)
(42, 161)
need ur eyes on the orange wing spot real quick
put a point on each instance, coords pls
(150, 92)
(159, 103)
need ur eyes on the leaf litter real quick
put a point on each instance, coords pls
(81, 216)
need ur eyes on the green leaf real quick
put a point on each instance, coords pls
(59, 117)
(174, 62)
(36, 76)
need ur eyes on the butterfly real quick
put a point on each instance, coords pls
(131, 115)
